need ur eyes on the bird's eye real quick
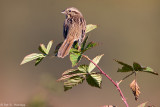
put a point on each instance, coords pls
(69, 10)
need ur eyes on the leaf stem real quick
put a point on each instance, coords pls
(115, 83)
(126, 77)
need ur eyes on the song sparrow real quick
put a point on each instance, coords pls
(73, 30)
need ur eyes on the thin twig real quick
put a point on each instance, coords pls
(136, 85)
(116, 84)
(125, 77)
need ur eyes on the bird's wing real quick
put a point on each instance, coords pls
(65, 29)
(83, 29)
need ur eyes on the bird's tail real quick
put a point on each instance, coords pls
(65, 48)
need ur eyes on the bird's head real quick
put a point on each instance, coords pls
(72, 11)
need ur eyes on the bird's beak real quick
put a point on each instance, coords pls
(63, 12)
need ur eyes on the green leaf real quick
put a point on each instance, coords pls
(149, 70)
(142, 105)
(84, 43)
(73, 50)
(96, 61)
(75, 58)
(68, 71)
(124, 64)
(65, 77)
(89, 46)
(43, 49)
(73, 81)
(49, 46)
(90, 27)
(38, 60)
(94, 80)
(125, 68)
(137, 67)
(31, 57)
(83, 68)
(71, 73)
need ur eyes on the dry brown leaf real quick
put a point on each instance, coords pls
(135, 89)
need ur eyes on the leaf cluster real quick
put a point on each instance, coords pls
(38, 56)
(135, 68)
(73, 77)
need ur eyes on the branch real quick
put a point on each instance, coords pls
(116, 84)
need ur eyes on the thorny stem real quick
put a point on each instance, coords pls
(116, 84)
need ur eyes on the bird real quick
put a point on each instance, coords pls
(74, 28)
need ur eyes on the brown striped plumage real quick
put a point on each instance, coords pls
(73, 30)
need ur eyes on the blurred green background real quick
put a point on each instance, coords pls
(128, 30)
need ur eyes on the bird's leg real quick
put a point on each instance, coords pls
(79, 48)
(79, 44)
